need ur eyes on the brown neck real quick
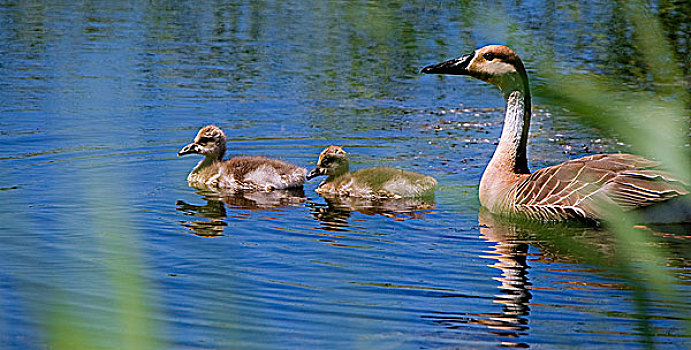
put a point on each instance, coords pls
(340, 170)
(221, 151)
(210, 159)
(204, 163)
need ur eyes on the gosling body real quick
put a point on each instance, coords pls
(379, 182)
(238, 173)
(583, 188)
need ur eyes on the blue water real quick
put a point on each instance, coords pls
(104, 245)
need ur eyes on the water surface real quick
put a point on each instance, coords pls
(103, 243)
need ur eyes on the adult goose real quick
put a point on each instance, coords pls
(576, 189)
(238, 173)
(380, 182)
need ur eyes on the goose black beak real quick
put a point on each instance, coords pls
(456, 66)
(189, 149)
(316, 172)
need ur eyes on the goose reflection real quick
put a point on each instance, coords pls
(334, 215)
(212, 216)
(514, 286)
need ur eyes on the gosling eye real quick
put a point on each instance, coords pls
(205, 139)
(326, 162)
(488, 56)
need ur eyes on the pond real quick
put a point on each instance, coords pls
(104, 244)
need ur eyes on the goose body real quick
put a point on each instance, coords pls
(238, 173)
(577, 189)
(379, 182)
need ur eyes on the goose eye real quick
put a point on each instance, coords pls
(205, 139)
(488, 56)
(325, 161)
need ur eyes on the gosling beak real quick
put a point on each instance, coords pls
(316, 172)
(189, 149)
(456, 66)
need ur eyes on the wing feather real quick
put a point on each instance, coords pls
(579, 188)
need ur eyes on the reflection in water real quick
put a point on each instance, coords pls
(514, 289)
(514, 286)
(334, 215)
(213, 213)
(563, 243)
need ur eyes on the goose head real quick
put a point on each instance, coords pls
(333, 161)
(209, 142)
(495, 64)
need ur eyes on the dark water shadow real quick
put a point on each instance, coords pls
(212, 216)
(335, 214)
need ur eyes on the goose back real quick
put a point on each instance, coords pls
(249, 173)
(379, 182)
(584, 187)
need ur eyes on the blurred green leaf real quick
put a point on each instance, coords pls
(656, 124)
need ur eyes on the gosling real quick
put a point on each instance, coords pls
(377, 182)
(238, 173)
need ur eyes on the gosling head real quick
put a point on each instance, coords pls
(333, 161)
(495, 64)
(210, 142)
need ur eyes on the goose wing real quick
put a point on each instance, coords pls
(580, 188)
